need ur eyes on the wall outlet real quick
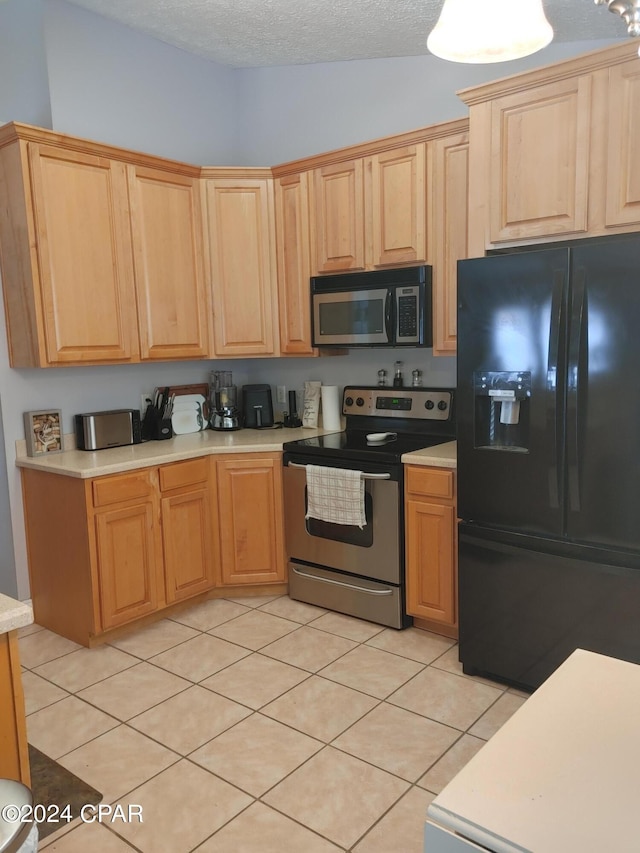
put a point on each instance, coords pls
(281, 396)
(143, 401)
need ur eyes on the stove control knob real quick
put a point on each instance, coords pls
(442, 405)
(348, 401)
(429, 404)
(360, 401)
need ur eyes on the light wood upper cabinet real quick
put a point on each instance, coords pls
(102, 258)
(66, 259)
(397, 223)
(171, 296)
(338, 217)
(540, 161)
(294, 263)
(240, 232)
(370, 211)
(552, 152)
(623, 125)
(448, 232)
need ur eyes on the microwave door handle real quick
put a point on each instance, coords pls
(388, 316)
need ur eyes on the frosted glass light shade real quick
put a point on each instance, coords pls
(477, 31)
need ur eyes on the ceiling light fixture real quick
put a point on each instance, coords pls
(477, 31)
(629, 11)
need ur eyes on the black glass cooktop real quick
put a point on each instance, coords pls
(353, 444)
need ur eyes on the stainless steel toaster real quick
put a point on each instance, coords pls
(114, 428)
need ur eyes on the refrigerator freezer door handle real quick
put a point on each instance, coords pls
(555, 390)
(578, 320)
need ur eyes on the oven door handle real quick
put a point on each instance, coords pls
(364, 476)
(342, 583)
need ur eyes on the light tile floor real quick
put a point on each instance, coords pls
(258, 724)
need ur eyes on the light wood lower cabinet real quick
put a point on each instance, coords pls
(251, 519)
(128, 561)
(14, 750)
(189, 530)
(431, 563)
(107, 552)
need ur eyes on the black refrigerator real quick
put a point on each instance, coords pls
(549, 457)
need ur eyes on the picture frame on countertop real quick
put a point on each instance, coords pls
(43, 432)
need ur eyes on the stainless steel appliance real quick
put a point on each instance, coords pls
(114, 428)
(360, 571)
(549, 457)
(223, 396)
(381, 308)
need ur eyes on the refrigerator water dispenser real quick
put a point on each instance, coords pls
(501, 411)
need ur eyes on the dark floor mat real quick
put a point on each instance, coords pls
(54, 786)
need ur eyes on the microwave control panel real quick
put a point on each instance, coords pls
(407, 314)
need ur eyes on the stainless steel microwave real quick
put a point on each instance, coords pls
(382, 308)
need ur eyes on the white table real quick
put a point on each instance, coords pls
(561, 776)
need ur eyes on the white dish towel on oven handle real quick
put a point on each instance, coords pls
(335, 495)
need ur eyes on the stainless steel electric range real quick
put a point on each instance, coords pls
(360, 571)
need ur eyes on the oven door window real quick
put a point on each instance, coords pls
(348, 533)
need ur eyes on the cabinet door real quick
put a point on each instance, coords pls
(622, 173)
(430, 560)
(166, 225)
(449, 232)
(84, 252)
(338, 207)
(188, 539)
(294, 263)
(251, 520)
(129, 559)
(540, 161)
(14, 749)
(397, 226)
(241, 237)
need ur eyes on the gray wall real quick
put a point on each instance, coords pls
(24, 85)
(288, 113)
(106, 82)
(8, 582)
(115, 85)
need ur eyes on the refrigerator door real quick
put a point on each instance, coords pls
(603, 398)
(512, 341)
(527, 603)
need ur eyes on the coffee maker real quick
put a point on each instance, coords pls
(223, 401)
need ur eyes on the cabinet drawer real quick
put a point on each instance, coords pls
(430, 481)
(112, 490)
(184, 474)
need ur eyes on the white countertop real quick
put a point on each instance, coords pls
(14, 614)
(97, 463)
(440, 456)
(562, 774)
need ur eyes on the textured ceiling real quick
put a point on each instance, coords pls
(251, 33)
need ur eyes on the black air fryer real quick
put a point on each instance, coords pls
(257, 406)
